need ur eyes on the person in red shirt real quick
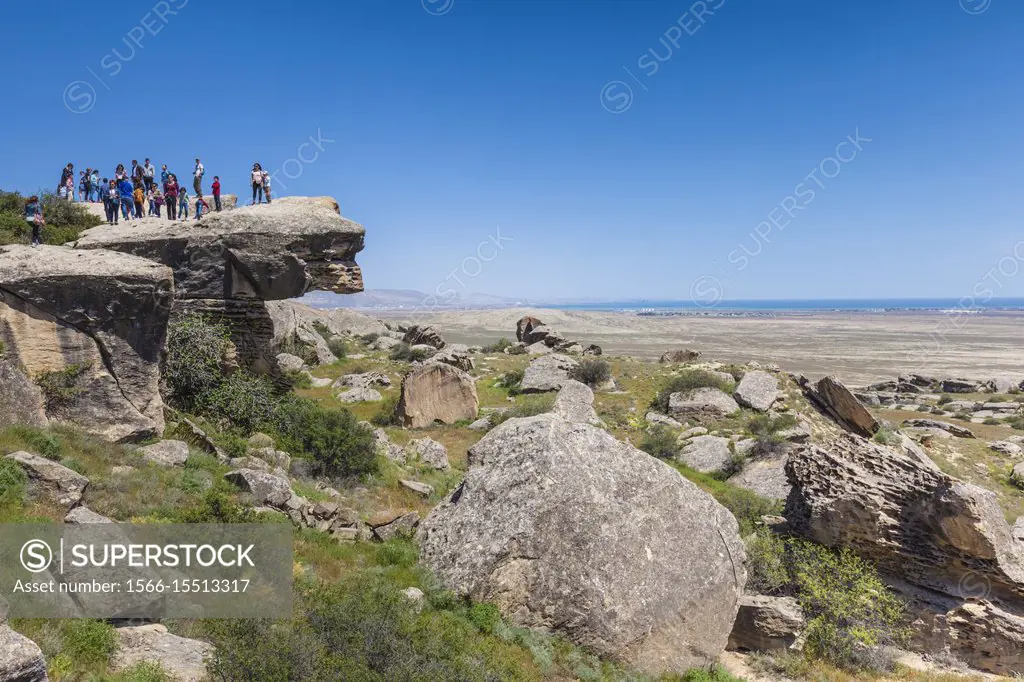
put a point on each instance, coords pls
(216, 192)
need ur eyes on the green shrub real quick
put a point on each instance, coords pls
(322, 329)
(512, 380)
(715, 674)
(193, 367)
(144, 671)
(660, 441)
(88, 641)
(885, 436)
(217, 505)
(62, 387)
(591, 372)
(990, 421)
(387, 414)
(1016, 422)
(42, 442)
(403, 352)
(12, 482)
(766, 429)
(686, 381)
(528, 406)
(337, 345)
(498, 346)
(963, 416)
(335, 439)
(244, 400)
(65, 220)
(945, 398)
(368, 339)
(850, 611)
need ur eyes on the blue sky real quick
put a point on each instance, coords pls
(452, 122)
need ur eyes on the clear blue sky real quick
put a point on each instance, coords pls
(452, 119)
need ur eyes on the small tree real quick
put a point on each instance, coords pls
(193, 367)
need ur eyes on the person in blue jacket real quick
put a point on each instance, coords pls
(126, 189)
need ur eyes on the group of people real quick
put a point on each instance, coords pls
(260, 184)
(136, 193)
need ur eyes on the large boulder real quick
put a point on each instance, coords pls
(707, 454)
(702, 405)
(21, 401)
(757, 390)
(525, 327)
(166, 453)
(454, 357)
(94, 322)
(575, 403)
(261, 485)
(183, 659)
(21, 659)
(841, 405)
(946, 539)
(418, 335)
(437, 392)
(562, 526)
(430, 452)
(231, 263)
(547, 373)
(765, 476)
(51, 481)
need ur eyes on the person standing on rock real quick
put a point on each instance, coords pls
(97, 188)
(120, 174)
(148, 175)
(139, 197)
(34, 217)
(113, 201)
(171, 192)
(68, 170)
(197, 178)
(136, 172)
(83, 184)
(257, 184)
(266, 185)
(216, 193)
(164, 175)
(201, 206)
(182, 203)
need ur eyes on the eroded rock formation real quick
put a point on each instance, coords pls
(96, 321)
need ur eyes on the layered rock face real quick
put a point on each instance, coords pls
(564, 527)
(100, 319)
(946, 540)
(228, 264)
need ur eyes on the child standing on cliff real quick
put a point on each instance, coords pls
(216, 193)
(182, 202)
(34, 217)
(201, 207)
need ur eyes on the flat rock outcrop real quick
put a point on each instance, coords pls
(184, 660)
(702, 404)
(757, 390)
(946, 538)
(98, 317)
(566, 528)
(230, 263)
(50, 480)
(437, 392)
(547, 373)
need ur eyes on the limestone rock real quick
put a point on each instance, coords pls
(100, 315)
(260, 484)
(575, 403)
(422, 489)
(679, 356)
(702, 404)
(418, 335)
(1018, 529)
(53, 481)
(83, 515)
(658, 419)
(562, 526)
(764, 476)
(1007, 448)
(1017, 475)
(437, 392)
(287, 362)
(21, 401)
(539, 348)
(430, 452)
(525, 327)
(455, 358)
(273, 457)
(363, 380)
(841, 405)
(404, 525)
(166, 453)
(21, 659)
(766, 623)
(960, 386)
(183, 659)
(757, 390)
(360, 395)
(958, 431)
(385, 447)
(547, 373)
(707, 454)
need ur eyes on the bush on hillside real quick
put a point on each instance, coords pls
(246, 401)
(12, 482)
(766, 429)
(591, 372)
(403, 352)
(660, 442)
(196, 348)
(688, 380)
(335, 439)
(512, 380)
(65, 220)
(498, 346)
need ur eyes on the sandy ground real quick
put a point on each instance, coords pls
(858, 347)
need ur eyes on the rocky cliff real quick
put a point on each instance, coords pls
(94, 324)
(230, 263)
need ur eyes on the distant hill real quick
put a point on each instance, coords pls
(406, 299)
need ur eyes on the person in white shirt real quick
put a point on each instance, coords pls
(266, 185)
(148, 173)
(197, 179)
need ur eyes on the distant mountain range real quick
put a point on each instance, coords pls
(406, 299)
